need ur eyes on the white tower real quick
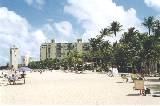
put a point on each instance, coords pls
(14, 57)
(25, 60)
(79, 45)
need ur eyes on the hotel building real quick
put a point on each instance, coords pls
(60, 50)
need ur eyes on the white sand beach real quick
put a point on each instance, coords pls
(60, 88)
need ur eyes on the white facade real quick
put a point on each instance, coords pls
(14, 57)
(25, 60)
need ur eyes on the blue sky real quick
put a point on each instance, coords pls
(28, 23)
(53, 9)
(139, 5)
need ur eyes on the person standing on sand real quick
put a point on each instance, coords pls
(23, 76)
(40, 71)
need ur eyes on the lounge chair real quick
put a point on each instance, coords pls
(139, 85)
(124, 77)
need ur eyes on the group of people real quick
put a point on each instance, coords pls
(12, 75)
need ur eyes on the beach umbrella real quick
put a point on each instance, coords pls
(24, 69)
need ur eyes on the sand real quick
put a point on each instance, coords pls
(60, 88)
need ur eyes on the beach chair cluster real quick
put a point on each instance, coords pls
(12, 78)
(138, 82)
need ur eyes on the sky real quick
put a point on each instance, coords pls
(29, 23)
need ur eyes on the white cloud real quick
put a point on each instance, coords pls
(94, 15)
(48, 29)
(64, 28)
(15, 29)
(40, 2)
(153, 3)
(65, 32)
(62, 31)
(29, 2)
(36, 3)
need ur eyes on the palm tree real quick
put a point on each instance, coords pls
(115, 27)
(130, 46)
(105, 32)
(148, 23)
(151, 49)
(156, 28)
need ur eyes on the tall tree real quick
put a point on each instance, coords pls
(115, 27)
(148, 23)
(131, 46)
(105, 32)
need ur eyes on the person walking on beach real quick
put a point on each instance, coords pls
(23, 76)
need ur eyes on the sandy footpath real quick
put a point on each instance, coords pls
(70, 88)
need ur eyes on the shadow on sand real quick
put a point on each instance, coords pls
(7, 84)
(153, 80)
(154, 87)
(80, 73)
(133, 95)
(19, 83)
(156, 94)
(120, 82)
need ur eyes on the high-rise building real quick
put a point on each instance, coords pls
(14, 57)
(25, 60)
(60, 50)
(48, 50)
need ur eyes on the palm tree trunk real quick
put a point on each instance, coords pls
(115, 33)
(146, 67)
